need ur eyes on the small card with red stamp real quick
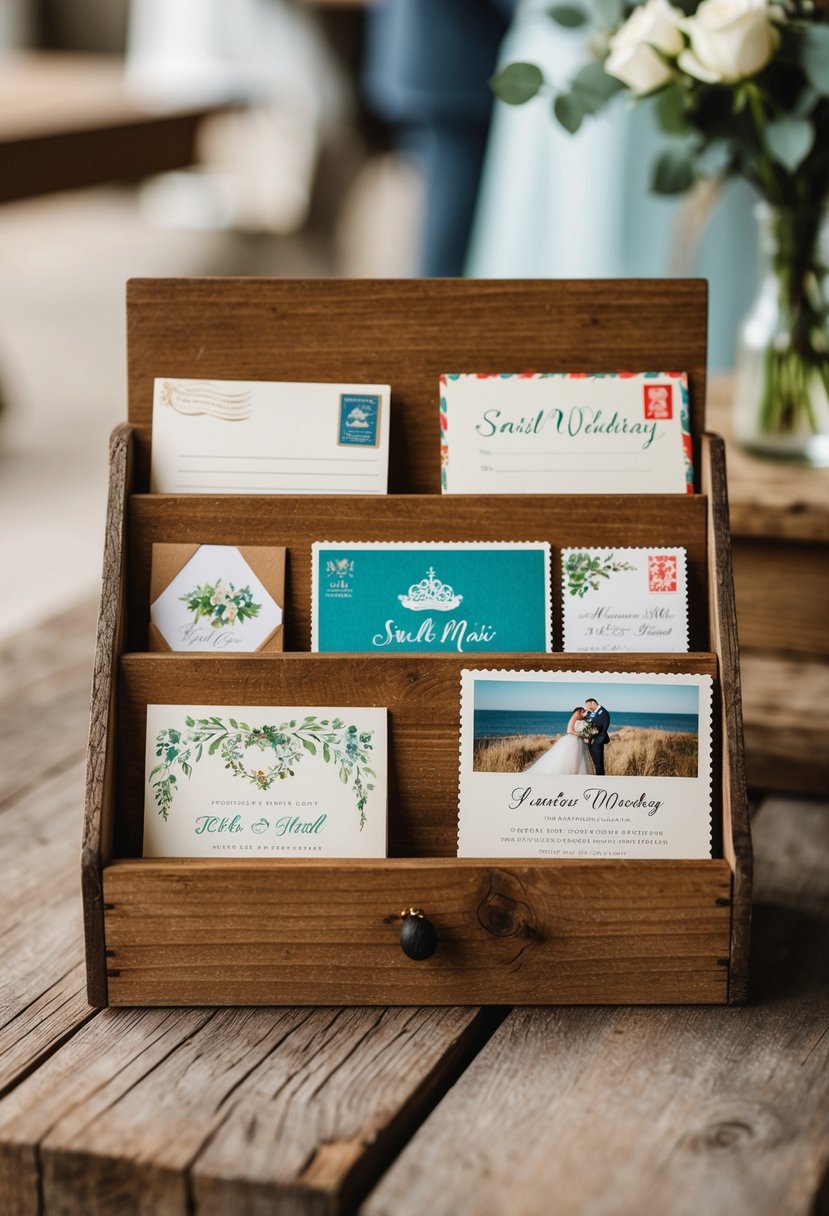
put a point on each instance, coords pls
(565, 433)
(624, 599)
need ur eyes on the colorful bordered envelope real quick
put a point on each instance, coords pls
(431, 597)
(566, 433)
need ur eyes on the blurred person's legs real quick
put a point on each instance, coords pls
(428, 63)
(449, 157)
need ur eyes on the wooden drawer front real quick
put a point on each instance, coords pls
(308, 932)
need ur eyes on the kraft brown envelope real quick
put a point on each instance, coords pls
(266, 562)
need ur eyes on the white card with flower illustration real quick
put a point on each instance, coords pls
(269, 437)
(585, 764)
(265, 781)
(429, 597)
(566, 433)
(215, 601)
(625, 599)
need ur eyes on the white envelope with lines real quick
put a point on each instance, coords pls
(260, 437)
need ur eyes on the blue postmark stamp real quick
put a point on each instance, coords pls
(359, 420)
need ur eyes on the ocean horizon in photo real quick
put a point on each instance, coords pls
(498, 723)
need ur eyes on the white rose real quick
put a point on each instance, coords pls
(632, 58)
(730, 39)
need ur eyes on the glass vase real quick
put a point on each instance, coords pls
(782, 402)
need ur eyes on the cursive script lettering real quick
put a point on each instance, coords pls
(291, 824)
(520, 795)
(606, 800)
(192, 636)
(217, 823)
(578, 420)
(455, 632)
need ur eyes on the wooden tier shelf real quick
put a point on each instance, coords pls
(279, 931)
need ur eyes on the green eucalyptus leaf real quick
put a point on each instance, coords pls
(517, 83)
(673, 172)
(592, 78)
(569, 111)
(790, 141)
(670, 110)
(814, 57)
(568, 15)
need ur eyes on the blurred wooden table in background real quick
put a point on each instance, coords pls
(68, 121)
(780, 533)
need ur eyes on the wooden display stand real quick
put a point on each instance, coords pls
(305, 932)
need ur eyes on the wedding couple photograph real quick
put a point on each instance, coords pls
(586, 728)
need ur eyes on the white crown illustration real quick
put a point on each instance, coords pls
(430, 594)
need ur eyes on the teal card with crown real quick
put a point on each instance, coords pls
(431, 597)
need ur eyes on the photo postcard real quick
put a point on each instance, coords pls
(585, 764)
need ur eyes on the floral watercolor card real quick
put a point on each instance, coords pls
(430, 597)
(566, 433)
(258, 437)
(265, 781)
(585, 764)
(218, 599)
(624, 599)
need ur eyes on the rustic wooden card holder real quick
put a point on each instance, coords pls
(203, 932)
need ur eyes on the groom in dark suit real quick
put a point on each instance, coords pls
(597, 716)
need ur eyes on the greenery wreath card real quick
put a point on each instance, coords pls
(265, 781)
(566, 433)
(218, 599)
(431, 597)
(624, 599)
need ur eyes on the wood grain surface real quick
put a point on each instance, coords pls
(171, 1112)
(653, 1111)
(563, 520)
(305, 932)
(44, 706)
(728, 713)
(101, 759)
(405, 333)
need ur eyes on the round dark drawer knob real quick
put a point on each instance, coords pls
(418, 936)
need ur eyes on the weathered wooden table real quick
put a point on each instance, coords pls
(399, 1112)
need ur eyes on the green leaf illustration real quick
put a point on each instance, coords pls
(281, 748)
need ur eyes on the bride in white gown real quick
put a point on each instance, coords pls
(568, 754)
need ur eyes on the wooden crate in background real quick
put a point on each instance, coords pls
(780, 541)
